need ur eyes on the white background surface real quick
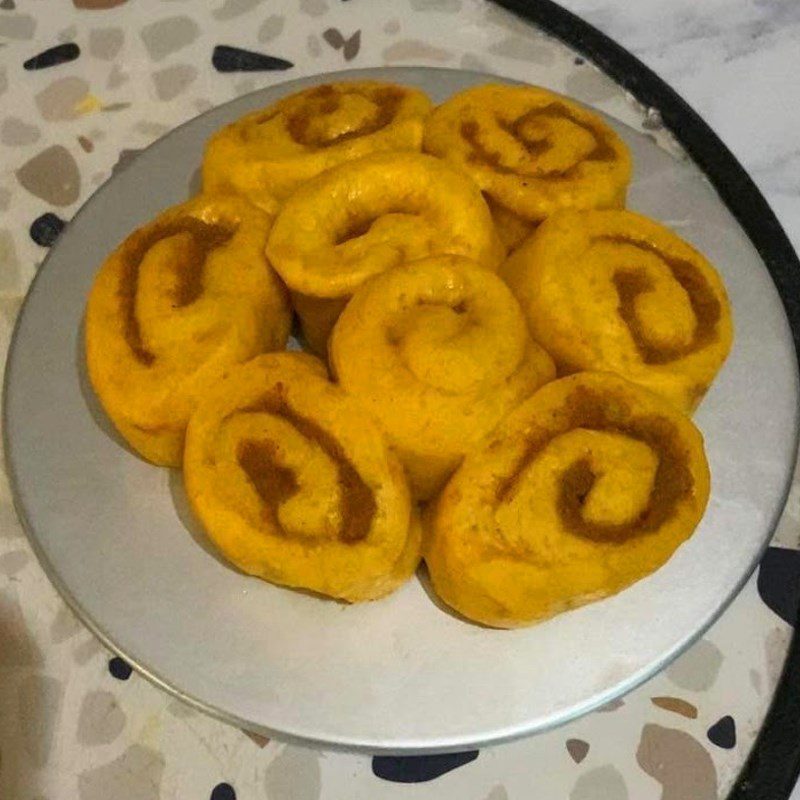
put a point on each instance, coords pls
(737, 63)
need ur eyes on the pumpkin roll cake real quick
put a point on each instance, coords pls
(172, 308)
(616, 291)
(532, 152)
(268, 153)
(295, 484)
(586, 488)
(439, 352)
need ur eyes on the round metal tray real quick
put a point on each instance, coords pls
(399, 675)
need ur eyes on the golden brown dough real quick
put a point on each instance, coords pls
(268, 153)
(586, 488)
(295, 484)
(439, 352)
(616, 291)
(531, 151)
(177, 303)
(512, 229)
(364, 217)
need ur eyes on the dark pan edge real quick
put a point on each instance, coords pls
(774, 763)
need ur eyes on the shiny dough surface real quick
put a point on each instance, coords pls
(616, 291)
(439, 352)
(296, 484)
(586, 488)
(178, 302)
(267, 154)
(531, 151)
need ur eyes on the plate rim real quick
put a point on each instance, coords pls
(454, 745)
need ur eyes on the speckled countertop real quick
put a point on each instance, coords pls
(84, 85)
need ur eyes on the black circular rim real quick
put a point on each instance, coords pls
(772, 768)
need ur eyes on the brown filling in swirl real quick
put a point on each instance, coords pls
(275, 484)
(705, 304)
(470, 130)
(204, 238)
(326, 100)
(600, 412)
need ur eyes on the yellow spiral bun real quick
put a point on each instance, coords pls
(267, 154)
(586, 488)
(178, 302)
(616, 291)
(294, 483)
(439, 352)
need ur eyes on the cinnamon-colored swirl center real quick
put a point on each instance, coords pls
(275, 483)
(202, 238)
(589, 410)
(531, 133)
(704, 302)
(329, 116)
